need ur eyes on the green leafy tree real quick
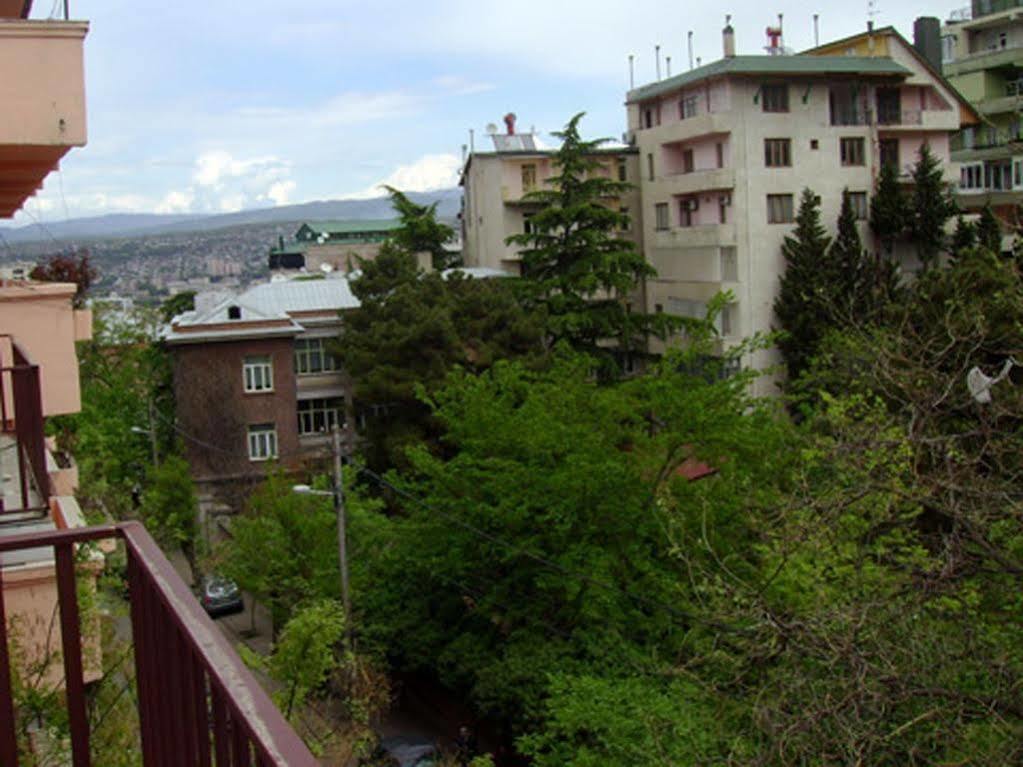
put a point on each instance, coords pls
(889, 209)
(807, 287)
(305, 653)
(177, 304)
(576, 264)
(989, 231)
(931, 207)
(420, 230)
(410, 331)
(170, 508)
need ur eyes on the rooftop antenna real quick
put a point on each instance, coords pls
(690, 36)
(657, 56)
(816, 30)
(872, 13)
(632, 71)
(667, 64)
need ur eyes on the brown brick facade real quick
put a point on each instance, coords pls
(213, 406)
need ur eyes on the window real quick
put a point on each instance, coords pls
(779, 209)
(626, 219)
(852, 151)
(622, 170)
(320, 416)
(688, 107)
(661, 215)
(234, 312)
(650, 166)
(724, 201)
(889, 106)
(815, 144)
(649, 118)
(889, 150)
(262, 442)
(688, 165)
(858, 202)
(687, 208)
(846, 105)
(777, 152)
(258, 373)
(311, 357)
(775, 98)
(724, 320)
(720, 149)
(948, 49)
(1017, 174)
(528, 177)
(971, 177)
(729, 264)
(527, 223)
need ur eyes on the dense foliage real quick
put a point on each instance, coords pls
(74, 267)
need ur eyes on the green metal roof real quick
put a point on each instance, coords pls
(774, 66)
(351, 227)
(290, 249)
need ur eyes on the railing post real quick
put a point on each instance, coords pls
(71, 641)
(8, 733)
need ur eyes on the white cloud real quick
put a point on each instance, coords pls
(458, 85)
(176, 202)
(428, 173)
(280, 192)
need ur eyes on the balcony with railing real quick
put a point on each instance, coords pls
(25, 480)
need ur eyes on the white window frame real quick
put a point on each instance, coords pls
(304, 357)
(330, 409)
(262, 441)
(258, 374)
(971, 177)
(860, 202)
(781, 209)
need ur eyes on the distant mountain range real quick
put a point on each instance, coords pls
(140, 224)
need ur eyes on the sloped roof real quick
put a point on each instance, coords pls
(774, 65)
(352, 227)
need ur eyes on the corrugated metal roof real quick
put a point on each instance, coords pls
(300, 295)
(774, 65)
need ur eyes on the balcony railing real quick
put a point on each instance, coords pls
(198, 704)
(21, 419)
(989, 138)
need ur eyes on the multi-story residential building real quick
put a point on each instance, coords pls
(725, 150)
(195, 697)
(982, 55)
(495, 188)
(330, 246)
(254, 379)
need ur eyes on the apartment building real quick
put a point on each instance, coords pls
(496, 184)
(254, 380)
(982, 55)
(726, 149)
(332, 246)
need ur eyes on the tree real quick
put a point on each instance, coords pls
(177, 304)
(72, 267)
(989, 232)
(410, 331)
(964, 239)
(807, 287)
(932, 205)
(889, 210)
(420, 230)
(305, 653)
(577, 267)
(170, 508)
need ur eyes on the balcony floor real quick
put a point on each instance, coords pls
(9, 477)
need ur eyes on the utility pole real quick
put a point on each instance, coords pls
(152, 433)
(342, 536)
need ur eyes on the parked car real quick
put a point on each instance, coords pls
(403, 751)
(220, 596)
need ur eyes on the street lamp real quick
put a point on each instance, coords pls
(151, 433)
(337, 493)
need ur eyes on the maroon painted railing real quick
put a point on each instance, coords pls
(22, 416)
(198, 704)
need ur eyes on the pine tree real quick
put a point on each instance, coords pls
(420, 230)
(889, 211)
(576, 265)
(862, 286)
(932, 206)
(989, 232)
(805, 293)
(964, 239)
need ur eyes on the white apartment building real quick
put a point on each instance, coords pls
(726, 149)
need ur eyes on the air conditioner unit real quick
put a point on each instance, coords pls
(692, 204)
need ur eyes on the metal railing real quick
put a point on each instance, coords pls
(198, 704)
(21, 413)
(980, 8)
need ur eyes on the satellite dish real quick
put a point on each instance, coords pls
(321, 239)
(491, 129)
(326, 268)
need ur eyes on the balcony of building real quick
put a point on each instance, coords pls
(42, 88)
(979, 12)
(699, 236)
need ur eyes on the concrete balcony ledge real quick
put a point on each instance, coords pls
(708, 235)
(42, 89)
(708, 123)
(701, 181)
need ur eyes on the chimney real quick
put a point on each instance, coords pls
(927, 40)
(728, 38)
(509, 121)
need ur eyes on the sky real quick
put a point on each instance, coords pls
(209, 106)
